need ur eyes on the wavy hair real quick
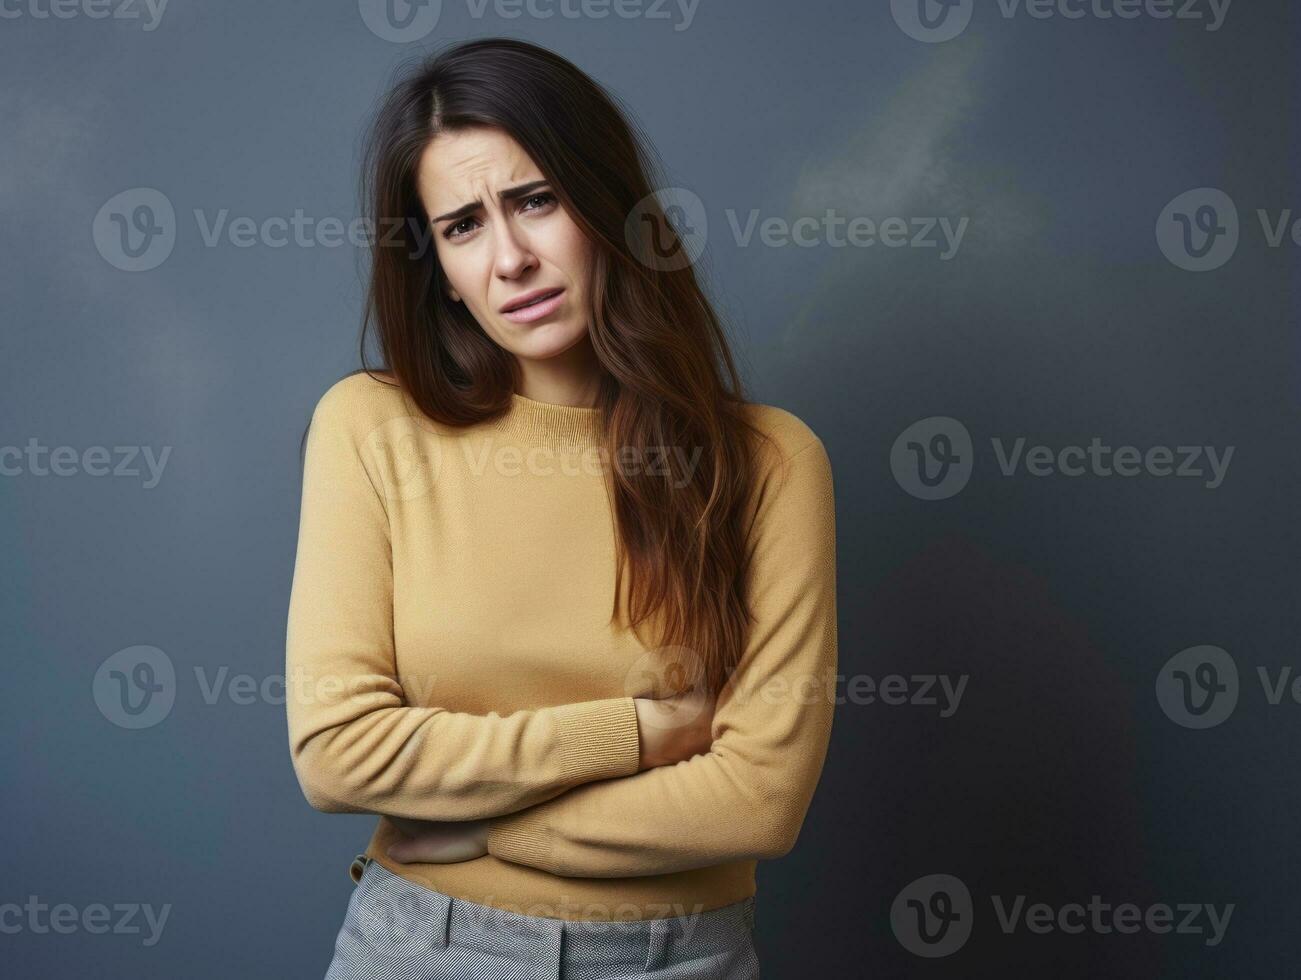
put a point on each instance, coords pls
(667, 375)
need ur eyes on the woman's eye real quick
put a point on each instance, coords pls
(546, 197)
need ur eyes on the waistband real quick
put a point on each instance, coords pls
(413, 908)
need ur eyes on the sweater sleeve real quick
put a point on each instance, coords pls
(356, 743)
(746, 798)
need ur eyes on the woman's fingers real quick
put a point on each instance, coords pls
(411, 828)
(438, 842)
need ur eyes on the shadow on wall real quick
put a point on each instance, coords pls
(1028, 787)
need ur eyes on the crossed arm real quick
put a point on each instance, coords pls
(357, 745)
(560, 786)
(746, 797)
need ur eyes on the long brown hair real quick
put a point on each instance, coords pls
(667, 378)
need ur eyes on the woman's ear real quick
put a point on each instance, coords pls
(452, 294)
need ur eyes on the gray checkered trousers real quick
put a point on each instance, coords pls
(397, 930)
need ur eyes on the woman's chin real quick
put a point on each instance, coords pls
(539, 342)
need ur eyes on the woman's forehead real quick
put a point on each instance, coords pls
(458, 166)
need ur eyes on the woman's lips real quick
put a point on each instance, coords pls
(536, 311)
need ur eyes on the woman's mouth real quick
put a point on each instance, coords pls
(544, 305)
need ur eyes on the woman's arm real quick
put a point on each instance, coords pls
(356, 745)
(745, 798)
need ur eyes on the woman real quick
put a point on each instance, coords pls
(563, 612)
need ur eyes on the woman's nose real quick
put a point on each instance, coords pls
(513, 255)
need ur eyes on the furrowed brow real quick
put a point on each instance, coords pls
(509, 194)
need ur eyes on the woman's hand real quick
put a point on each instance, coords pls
(438, 841)
(674, 729)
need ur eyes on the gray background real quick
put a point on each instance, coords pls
(1059, 319)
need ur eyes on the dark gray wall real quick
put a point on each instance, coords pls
(1070, 310)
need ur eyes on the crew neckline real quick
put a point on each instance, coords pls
(547, 422)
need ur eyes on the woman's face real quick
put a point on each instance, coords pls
(493, 251)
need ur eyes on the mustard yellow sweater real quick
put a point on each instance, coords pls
(450, 657)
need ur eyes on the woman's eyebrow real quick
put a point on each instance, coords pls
(509, 194)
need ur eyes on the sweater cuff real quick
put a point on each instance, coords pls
(522, 838)
(598, 739)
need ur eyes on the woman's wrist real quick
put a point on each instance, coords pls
(647, 744)
(671, 730)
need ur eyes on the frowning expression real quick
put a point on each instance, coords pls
(502, 236)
